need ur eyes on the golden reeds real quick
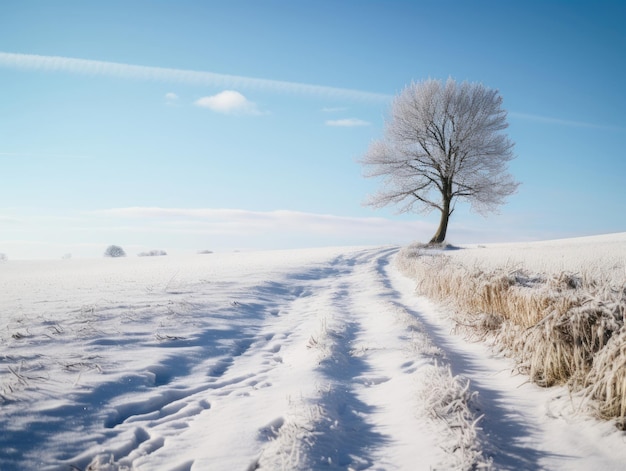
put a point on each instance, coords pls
(565, 329)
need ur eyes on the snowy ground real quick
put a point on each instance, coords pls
(598, 257)
(309, 359)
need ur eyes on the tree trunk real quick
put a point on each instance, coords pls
(440, 235)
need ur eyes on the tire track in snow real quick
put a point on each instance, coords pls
(503, 429)
(364, 414)
(322, 367)
(145, 426)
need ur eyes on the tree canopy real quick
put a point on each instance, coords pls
(443, 142)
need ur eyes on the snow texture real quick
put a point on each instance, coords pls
(302, 359)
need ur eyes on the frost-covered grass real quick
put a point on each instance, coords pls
(450, 402)
(557, 307)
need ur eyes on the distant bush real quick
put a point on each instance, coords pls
(152, 253)
(3, 257)
(114, 251)
(205, 252)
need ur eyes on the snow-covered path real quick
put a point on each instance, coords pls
(523, 426)
(286, 360)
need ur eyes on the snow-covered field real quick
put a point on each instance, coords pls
(303, 359)
(598, 257)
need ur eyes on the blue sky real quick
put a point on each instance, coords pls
(233, 124)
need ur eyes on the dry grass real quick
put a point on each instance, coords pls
(561, 328)
(606, 381)
(449, 401)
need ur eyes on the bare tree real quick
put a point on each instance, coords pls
(443, 142)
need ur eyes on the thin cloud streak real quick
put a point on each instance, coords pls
(347, 123)
(334, 109)
(187, 230)
(141, 212)
(192, 77)
(242, 221)
(44, 156)
(562, 122)
(46, 234)
(297, 228)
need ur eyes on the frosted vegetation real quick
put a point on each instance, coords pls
(443, 142)
(556, 307)
(152, 253)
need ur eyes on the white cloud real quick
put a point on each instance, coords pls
(347, 123)
(185, 230)
(171, 99)
(139, 72)
(334, 109)
(228, 102)
(286, 228)
(44, 234)
(279, 223)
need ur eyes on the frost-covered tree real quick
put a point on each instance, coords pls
(443, 142)
(114, 251)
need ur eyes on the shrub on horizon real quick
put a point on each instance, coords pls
(114, 251)
(152, 253)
